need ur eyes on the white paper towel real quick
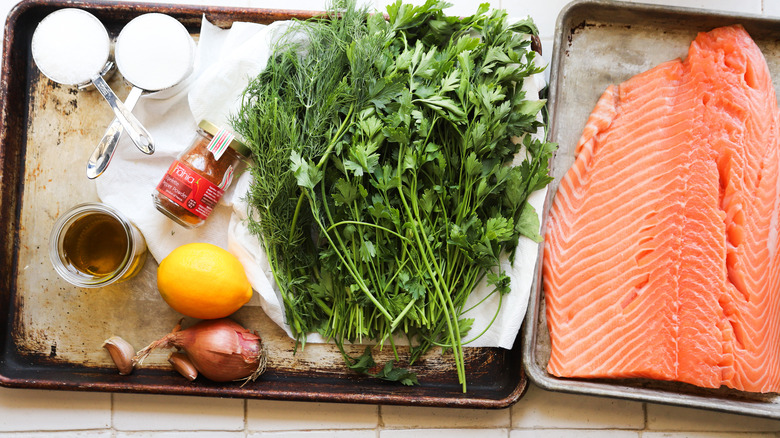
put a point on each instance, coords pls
(227, 61)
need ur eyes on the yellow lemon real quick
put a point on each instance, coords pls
(203, 281)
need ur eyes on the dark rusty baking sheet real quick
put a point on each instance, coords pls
(51, 333)
(598, 43)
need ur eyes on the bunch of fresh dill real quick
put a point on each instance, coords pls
(384, 190)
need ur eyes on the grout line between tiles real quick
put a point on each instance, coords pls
(380, 421)
(511, 414)
(144, 431)
(4, 433)
(111, 413)
(246, 418)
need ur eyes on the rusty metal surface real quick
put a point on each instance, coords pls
(598, 43)
(51, 332)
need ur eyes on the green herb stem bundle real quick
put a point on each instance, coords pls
(384, 187)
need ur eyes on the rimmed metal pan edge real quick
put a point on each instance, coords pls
(575, 20)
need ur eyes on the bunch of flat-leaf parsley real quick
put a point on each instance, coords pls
(384, 187)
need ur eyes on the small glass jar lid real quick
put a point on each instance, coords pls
(234, 144)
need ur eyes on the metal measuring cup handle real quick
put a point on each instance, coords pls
(101, 156)
(137, 132)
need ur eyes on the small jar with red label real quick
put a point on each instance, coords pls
(198, 178)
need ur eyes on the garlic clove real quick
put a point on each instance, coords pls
(183, 365)
(121, 353)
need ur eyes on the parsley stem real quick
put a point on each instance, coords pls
(402, 315)
(368, 224)
(448, 308)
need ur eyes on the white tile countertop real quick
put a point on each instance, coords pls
(38, 413)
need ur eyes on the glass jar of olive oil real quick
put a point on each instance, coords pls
(93, 245)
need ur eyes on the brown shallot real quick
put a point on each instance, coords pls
(220, 349)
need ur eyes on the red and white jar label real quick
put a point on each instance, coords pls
(189, 190)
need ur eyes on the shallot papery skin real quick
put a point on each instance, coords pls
(220, 349)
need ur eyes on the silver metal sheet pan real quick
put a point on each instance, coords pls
(598, 43)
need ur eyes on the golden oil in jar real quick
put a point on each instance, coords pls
(93, 245)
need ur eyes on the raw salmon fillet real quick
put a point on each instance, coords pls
(660, 253)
